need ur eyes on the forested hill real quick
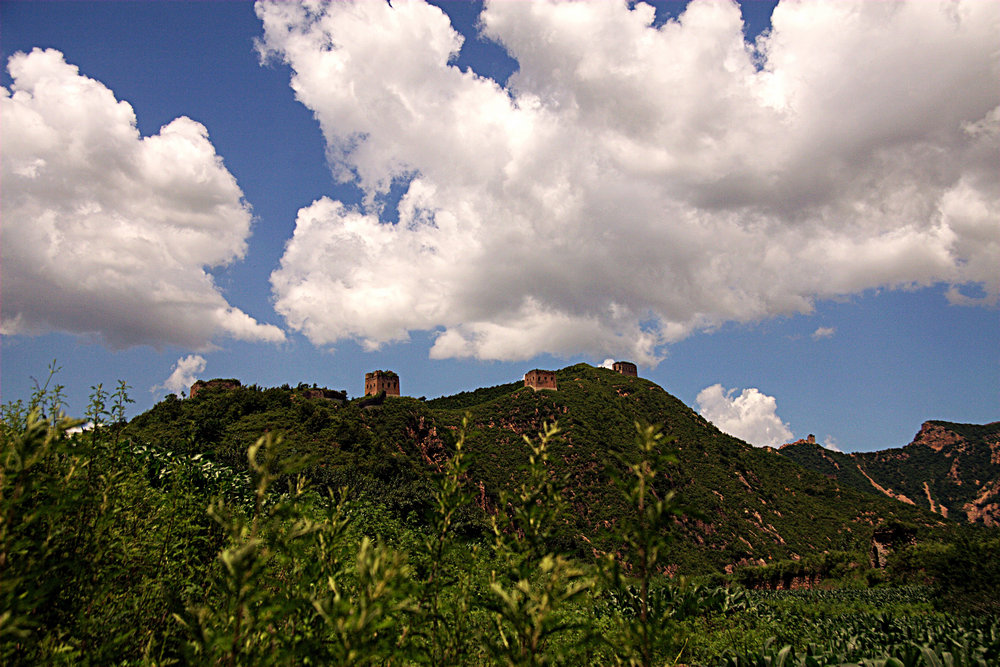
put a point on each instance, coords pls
(951, 469)
(746, 504)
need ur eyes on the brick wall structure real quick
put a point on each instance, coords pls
(539, 379)
(199, 385)
(378, 381)
(625, 368)
(326, 394)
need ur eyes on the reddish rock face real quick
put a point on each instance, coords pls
(885, 540)
(936, 437)
(985, 508)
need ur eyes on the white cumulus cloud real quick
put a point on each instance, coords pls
(107, 233)
(184, 374)
(823, 332)
(632, 184)
(750, 416)
(831, 443)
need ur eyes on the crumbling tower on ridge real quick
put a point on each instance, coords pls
(379, 381)
(539, 379)
(625, 368)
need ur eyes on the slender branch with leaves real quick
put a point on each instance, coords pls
(531, 596)
(644, 633)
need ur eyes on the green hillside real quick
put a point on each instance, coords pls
(421, 537)
(951, 469)
(744, 503)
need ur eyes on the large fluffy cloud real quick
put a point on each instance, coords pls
(184, 374)
(633, 184)
(108, 233)
(751, 416)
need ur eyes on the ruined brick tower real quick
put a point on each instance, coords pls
(378, 381)
(539, 379)
(200, 385)
(625, 368)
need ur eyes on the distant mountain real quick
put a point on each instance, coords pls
(746, 504)
(950, 469)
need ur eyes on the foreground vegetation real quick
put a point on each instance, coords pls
(116, 551)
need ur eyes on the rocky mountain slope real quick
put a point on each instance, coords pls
(950, 469)
(745, 504)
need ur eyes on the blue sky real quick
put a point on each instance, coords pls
(802, 233)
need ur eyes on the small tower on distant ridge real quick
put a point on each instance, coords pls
(378, 381)
(625, 368)
(217, 383)
(539, 379)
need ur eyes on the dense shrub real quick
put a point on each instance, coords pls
(108, 554)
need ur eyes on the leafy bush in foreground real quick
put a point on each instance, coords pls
(109, 556)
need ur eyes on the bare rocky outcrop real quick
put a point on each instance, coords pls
(886, 539)
(424, 436)
(745, 562)
(952, 469)
(937, 437)
(985, 508)
(935, 507)
(889, 492)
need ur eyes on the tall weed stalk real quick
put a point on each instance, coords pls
(531, 595)
(286, 591)
(645, 632)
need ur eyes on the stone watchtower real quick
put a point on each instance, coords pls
(217, 383)
(539, 379)
(378, 381)
(625, 368)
